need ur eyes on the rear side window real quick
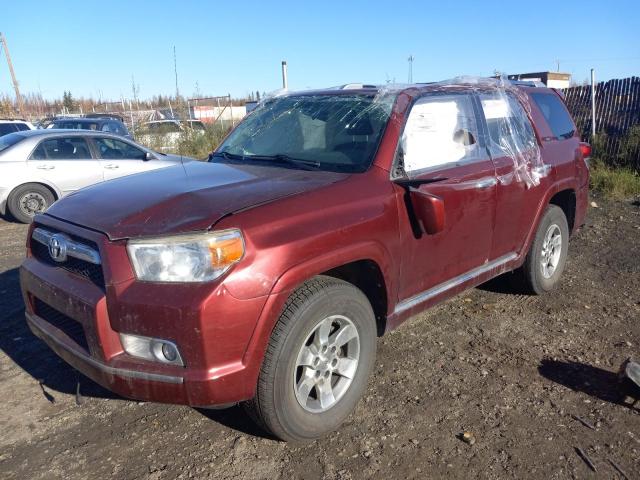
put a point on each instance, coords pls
(72, 148)
(22, 126)
(509, 128)
(555, 114)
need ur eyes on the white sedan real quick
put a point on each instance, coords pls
(37, 167)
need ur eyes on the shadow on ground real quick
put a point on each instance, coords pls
(593, 381)
(236, 418)
(504, 284)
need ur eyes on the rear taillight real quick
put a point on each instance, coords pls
(585, 148)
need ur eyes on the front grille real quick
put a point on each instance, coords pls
(85, 269)
(70, 327)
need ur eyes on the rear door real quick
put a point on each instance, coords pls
(441, 144)
(65, 162)
(511, 139)
(119, 158)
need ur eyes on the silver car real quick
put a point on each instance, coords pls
(37, 167)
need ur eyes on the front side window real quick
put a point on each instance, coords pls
(555, 114)
(71, 148)
(111, 149)
(441, 130)
(325, 132)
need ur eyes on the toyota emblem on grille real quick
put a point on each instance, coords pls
(58, 248)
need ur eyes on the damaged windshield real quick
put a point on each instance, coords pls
(324, 132)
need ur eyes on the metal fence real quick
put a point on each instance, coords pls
(617, 142)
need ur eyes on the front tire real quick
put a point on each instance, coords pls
(318, 361)
(28, 200)
(547, 256)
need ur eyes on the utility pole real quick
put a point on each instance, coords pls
(3, 40)
(175, 70)
(410, 60)
(557, 65)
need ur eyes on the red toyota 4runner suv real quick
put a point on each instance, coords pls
(325, 219)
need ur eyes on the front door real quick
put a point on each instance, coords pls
(444, 156)
(120, 158)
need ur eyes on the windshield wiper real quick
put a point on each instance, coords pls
(226, 156)
(283, 158)
(278, 158)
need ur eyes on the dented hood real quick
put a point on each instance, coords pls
(182, 198)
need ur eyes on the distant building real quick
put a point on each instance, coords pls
(550, 79)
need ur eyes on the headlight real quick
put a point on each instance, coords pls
(186, 258)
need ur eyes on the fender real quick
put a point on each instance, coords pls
(298, 274)
(370, 250)
(565, 184)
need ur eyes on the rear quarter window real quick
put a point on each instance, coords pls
(555, 114)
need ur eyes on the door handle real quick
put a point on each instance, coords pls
(45, 167)
(486, 183)
(111, 166)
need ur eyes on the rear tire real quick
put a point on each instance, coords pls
(28, 200)
(318, 361)
(547, 256)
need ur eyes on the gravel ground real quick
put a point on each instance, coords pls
(533, 378)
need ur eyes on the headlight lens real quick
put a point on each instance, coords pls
(186, 258)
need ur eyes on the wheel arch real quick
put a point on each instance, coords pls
(559, 194)
(54, 191)
(4, 206)
(566, 200)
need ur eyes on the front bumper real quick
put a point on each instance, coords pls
(212, 328)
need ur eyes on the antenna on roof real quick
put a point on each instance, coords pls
(410, 60)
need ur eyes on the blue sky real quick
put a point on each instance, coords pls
(93, 48)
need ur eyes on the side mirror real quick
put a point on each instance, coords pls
(428, 210)
(148, 156)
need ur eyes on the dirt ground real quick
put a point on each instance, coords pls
(520, 372)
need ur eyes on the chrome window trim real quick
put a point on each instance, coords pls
(454, 282)
(74, 249)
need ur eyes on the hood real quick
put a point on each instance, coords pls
(181, 198)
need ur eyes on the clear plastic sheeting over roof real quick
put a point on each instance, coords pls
(441, 130)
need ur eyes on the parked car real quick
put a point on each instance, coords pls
(38, 167)
(98, 124)
(323, 220)
(11, 126)
(165, 135)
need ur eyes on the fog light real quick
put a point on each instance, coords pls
(153, 349)
(170, 352)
